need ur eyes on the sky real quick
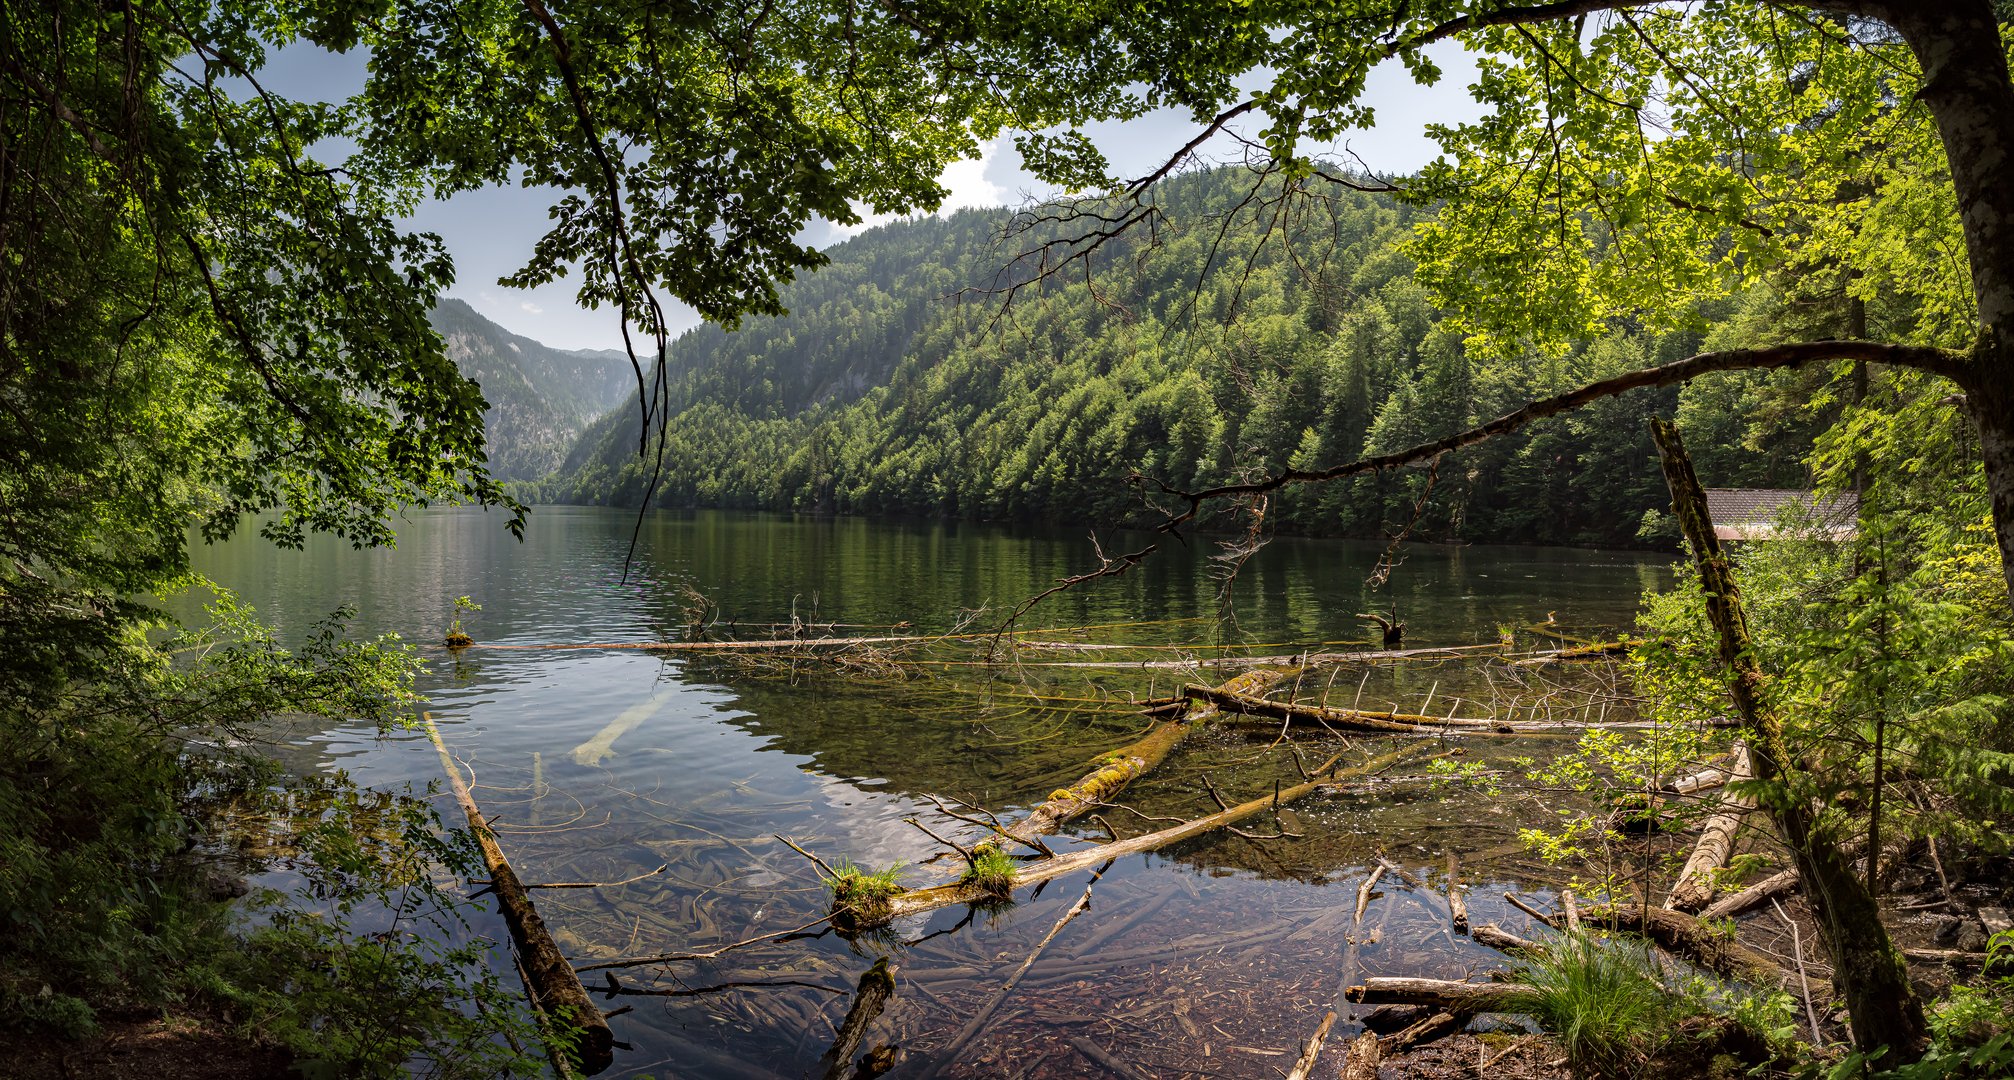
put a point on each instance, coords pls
(490, 232)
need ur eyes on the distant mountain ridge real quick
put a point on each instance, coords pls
(540, 398)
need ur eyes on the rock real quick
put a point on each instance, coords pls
(1971, 937)
(1944, 929)
(220, 884)
(1996, 920)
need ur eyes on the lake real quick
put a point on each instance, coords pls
(1216, 957)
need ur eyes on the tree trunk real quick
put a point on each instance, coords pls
(1867, 969)
(1695, 885)
(1968, 90)
(917, 901)
(1445, 994)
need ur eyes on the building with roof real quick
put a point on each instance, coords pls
(1768, 513)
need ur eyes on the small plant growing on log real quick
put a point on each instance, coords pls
(861, 897)
(991, 871)
(457, 638)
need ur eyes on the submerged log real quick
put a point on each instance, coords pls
(1304, 1066)
(1695, 884)
(1433, 1026)
(917, 901)
(1129, 763)
(1445, 994)
(877, 985)
(1755, 895)
(555, 990)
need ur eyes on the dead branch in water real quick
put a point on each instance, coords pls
(985, 1012)
(917, 901)
(877, 985)
(554, 988)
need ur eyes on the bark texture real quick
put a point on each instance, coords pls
(553, 985)
(1869, 972)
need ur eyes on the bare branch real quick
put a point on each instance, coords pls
(1946, 362)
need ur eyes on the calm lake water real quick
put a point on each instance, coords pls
(1216, 957)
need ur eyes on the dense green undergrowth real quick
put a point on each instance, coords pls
(129, 801)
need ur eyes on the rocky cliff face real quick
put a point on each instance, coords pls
(540, 398)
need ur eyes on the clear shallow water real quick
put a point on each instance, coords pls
(1215, 957)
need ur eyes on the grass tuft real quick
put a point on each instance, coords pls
(862, 897)
(1603, 1000)
(991, 871)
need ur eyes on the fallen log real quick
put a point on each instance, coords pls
(1129, 763)
(1240, 705)
(1304, 1066)
(917, 901)
(1444, 994)
(1458, 909)
(1362, 1061)
(1753, 896)
(554, 988)
(1599, 650)
(1424, 1030)
(1698, 942)
(877, 985)
(1695, 885)
(1098, 1054)
(1706, 779)
(1496, 937)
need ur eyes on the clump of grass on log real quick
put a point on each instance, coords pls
(862, 897)
(990, 870)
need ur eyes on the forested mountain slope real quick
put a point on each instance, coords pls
(540, 398)
(1243, 338)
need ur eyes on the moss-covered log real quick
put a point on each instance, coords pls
(1129, 763)
(917, 901)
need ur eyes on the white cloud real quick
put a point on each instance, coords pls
(532, 308)
(965, 184)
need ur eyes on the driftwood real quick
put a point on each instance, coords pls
(917, 901)
(1304, 1066)
(877, 985)
(1369, 883)
(1458, 909)
(1097, 1054)
(1362, 1061)
(1695, 884)
(1434, 1025)
(1686, 936)
(1753, 896)
(1444, 994)
(1127, 764)
(1235, 705)
(555, 990)
(1496, 937)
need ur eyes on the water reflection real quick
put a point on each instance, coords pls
(1215, 957)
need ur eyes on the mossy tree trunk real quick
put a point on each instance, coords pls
(1869, 972)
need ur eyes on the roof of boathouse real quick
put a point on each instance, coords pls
(1760, 513)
